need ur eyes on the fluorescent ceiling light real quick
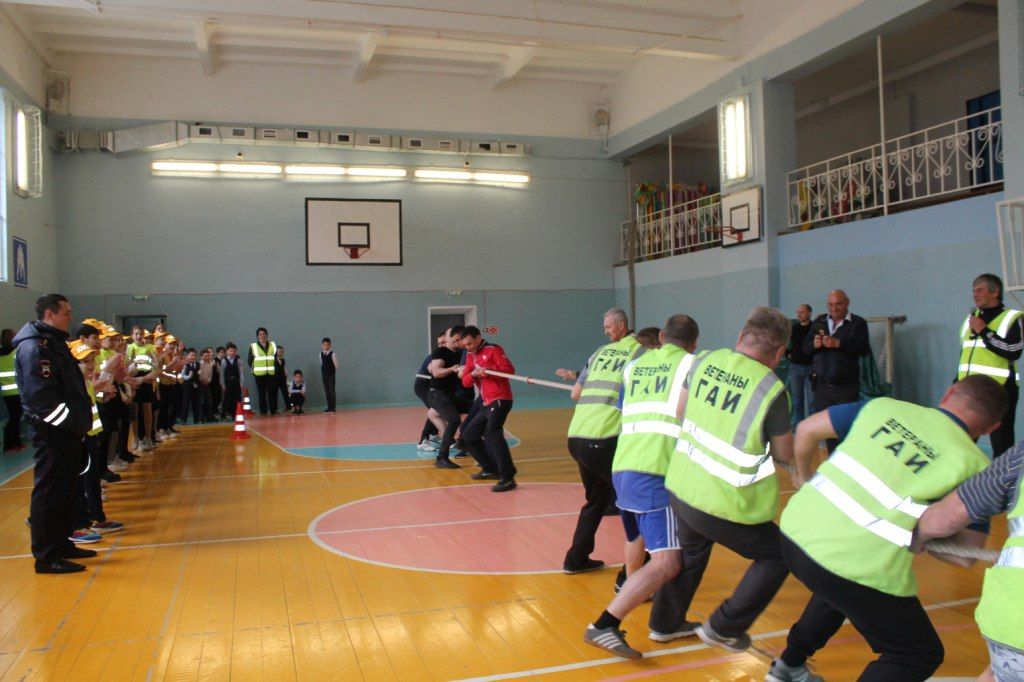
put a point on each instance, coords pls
(430, 174)
(501, 177)
(379, 172)
(735, 139)
(250, 168)
(184, 166)
(315, 170)
(21, 153)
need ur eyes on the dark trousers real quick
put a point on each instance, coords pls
(421, 387)
(58, 459)
(897, 628)
(673, 599)
(444, 405)
(12, 430)
(330, 390)
(205, 403)
(827, 395)
(266, 388)
(594, 459)
(88, 505)
(757, 542)
(232, 396)
(282, 385)
(1002, 438)
(298, 400)
(215, 396)
(485, 435)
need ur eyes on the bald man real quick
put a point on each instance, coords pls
(837, 341)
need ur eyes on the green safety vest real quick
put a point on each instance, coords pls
(263, 363)
(650, 428)
(857, 514)
(97, 425)
(999, 613)
(144, 357)
(8, 386)
(597, 414)
(975, 358)
(723, 467)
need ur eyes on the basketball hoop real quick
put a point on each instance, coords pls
(722, 230)
(354, 252)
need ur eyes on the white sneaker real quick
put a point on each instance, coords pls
(426, 446)
(118, 465)
(170, 434)
(136, 445)
(149, 444)
(158, 438)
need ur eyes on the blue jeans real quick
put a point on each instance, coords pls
(800, 390)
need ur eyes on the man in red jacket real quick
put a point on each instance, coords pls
(485, 434)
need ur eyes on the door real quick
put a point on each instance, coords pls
(440, 318)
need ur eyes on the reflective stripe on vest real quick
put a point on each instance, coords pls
(976, 358)
(1002, 595)
(263, 363)
(8, 385)
(59, 414)
(97, 425)
(725, 469)
(652, 384)
(597, 414)
(857, 515)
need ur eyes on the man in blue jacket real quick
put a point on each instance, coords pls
(59, 413)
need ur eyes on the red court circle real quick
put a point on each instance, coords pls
(465, 529)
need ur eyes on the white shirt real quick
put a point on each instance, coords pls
(832, 326)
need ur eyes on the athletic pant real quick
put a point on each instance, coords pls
(485, 435)
(673, 599)
(421, 387)
(12, 430)
(594, 459)
(58, 459)
(1002, 438)
(266, 387)
(330, 386)
(95, 448)
(443, 404)
(759, 542)
(897, 628)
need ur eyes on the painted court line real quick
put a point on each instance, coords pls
(184, 543)
(581, 665)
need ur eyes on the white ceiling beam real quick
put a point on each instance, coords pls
(367, 47)
(87, 5)
(517, 59)
(203, 35)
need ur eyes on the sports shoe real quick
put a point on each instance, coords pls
(170, 434)
(504, 486)
(117, 465)
(158, 438)
(136, 445)
(483, 475)
(588, 565)
(461, 453)
(426, 446)
(780, 672)
(687, 630)
(84, 537)
(434, 439)
(104, 527)
(610, 639)
(445, 463)
(110, 477)
(737, 644)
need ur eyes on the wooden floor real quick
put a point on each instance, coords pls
(216, 577)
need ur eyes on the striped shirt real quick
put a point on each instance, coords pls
(992, 491)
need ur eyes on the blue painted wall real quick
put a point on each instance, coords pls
(535, 261)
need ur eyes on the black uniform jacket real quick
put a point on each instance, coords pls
(52, 387)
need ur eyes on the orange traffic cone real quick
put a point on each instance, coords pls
(245, 401)
(239, 433)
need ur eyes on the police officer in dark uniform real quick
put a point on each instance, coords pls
(59, 413)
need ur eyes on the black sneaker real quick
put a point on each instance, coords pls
(461, 453)
(612, 640)
(445, 463)
(588, 565)
(483, 475)
(737, 644)
(688, 629)
(504, 486)
(110, 476)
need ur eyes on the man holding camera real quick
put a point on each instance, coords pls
(836, 342)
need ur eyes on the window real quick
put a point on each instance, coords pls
(28, 159)
(734, 139)
(3, 186)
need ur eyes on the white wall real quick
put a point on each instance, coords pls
(921, 100)
(161, 89)
(23, 66)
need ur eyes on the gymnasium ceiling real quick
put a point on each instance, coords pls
(591, 41)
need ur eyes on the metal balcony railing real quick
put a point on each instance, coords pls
(685, 228)
(949, 158)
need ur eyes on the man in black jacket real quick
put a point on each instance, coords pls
(837, 341)
(59, 413)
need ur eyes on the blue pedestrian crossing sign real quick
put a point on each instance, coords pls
(20, 262)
